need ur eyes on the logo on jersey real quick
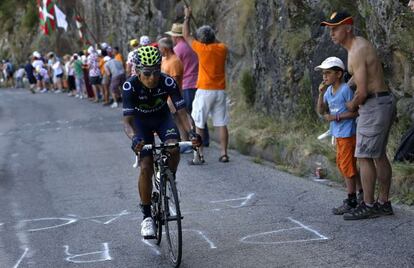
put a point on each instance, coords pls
(169, 81)
(170, 132)
(127, 86)
(179, 103)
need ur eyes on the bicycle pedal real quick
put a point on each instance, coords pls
(148, 237)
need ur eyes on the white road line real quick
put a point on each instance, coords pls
(21, 258)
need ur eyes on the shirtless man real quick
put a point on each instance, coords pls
(376, 107)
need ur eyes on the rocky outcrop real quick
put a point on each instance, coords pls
(279, 42)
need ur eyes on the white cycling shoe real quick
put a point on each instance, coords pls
(147, 228)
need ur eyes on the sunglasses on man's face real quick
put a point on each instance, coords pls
(148, 73)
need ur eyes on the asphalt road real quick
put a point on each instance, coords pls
(68, 198)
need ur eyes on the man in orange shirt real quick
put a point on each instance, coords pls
(118, 55)
(211, 97)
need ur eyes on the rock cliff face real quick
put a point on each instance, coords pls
(278, 42)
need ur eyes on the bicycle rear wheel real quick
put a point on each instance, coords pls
(172, 218)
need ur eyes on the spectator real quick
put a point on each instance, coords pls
(19, 77)
(43, 76)
(94, 72)
(190, 65)
(8, 70)
(118, 55)
(211, 97)
(333, 95)
(77, 66)
(130, 68)
(173, 66)
(56, 72)
(376, 106)
(115, 70)
(105, 77)
(30, 74)
(70, 75)
(38, 61)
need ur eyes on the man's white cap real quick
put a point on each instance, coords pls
(91, 49)
(36, 54)
(144, 40)
(329, 63)
(104, 45)
(106, 58)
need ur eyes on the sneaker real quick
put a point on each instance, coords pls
(114, 105)
(385, 209)
(58, 91)
(360, 197)
(43, 90)
(344, 208)
(147, 228)
(362, 211)
(196, 161)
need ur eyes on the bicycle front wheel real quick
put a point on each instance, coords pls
(172, 220)
(157, 210)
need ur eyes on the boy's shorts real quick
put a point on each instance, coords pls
(345, 159)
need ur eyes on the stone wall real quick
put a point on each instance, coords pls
(278, 41)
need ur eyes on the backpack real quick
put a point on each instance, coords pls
(405, 151)
(9, 68)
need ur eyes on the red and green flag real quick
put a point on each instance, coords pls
(46, 15)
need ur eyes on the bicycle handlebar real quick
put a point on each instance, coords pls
(161, 146)
(166, 145)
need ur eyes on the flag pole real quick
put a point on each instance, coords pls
(87, 28)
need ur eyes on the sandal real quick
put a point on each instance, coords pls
(224, 158)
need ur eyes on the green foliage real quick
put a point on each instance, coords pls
(248, 87)
(7, 9)
(305, 102)
(30, 18)
(258, 160)
(293, 41)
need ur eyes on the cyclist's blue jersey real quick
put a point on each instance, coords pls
(143, 102)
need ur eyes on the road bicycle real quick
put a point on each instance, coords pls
(165, 207)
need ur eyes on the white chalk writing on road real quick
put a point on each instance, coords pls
(245, 199)
(152, 247)
(90, 257)
(112, 217)
(21, 258)
(66, 221)
(250, 239)
(212, 245)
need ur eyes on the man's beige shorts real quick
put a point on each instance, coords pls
(210, 102)
(373, 126)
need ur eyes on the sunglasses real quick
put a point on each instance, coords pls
(148, 73)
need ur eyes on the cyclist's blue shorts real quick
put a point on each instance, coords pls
(164, 126)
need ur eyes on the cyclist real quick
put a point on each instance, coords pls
(146, 111)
